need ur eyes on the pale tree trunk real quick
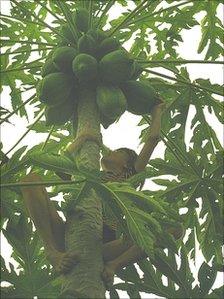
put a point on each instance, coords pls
(84, 228)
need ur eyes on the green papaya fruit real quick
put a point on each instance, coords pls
(108, 45)
(116, 67)
(141, 97)
(60, 114)
(86, 44)
(85, 67)
(55, 88)
(48, 68)
(98, 35)
(67, 33)
(111, 101)
(106, 121)
(63, 57)
(81, 19)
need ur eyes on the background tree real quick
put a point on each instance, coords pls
(29, 33)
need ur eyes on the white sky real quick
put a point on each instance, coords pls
(125, 133)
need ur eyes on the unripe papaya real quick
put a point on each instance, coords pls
(108, 45)
(141, 97)
(98, 35)
(106, 121)
(67, 33)
(60, 114)
(116, 67)
(85, 67)
(63, 57)
(55, 89)
(48, 68)
(111, 101)
(86, 44)
(81, 18)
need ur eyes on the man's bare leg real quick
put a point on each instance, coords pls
(113, 249)
(129, 256)
(132, 255)
(48, 223)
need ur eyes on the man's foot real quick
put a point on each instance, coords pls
(63, 262)
(108, 274)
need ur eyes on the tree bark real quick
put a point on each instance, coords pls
(84, 227)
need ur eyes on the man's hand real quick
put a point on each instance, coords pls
(86, 135)
(108, 274)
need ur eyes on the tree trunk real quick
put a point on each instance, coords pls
(84, 227)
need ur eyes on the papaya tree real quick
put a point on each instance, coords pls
(76, 69)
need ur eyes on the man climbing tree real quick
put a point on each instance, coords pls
(73, 62)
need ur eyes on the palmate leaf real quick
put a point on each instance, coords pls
(210, 232)
(153, 282)
(212, 31)
(111, 208)
(54, 162)
(10, 80)
(164, 37)
(129, 274)
(184, 97)
(10, 203)
(32, 278)
(137, 227)
(140, 219)
(206, 276)
(14, 164)
(149, 203)
(216, 293)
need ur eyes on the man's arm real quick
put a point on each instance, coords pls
(86, 135)
(152, 138)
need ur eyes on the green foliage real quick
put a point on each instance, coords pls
(190, 173)
(53, 162)
(67, 33)
(33, 275)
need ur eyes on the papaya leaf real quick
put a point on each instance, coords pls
(136, 226)
(54, 162)
(14, 164)
(129, 274)
(216, 293)
(169, 268)
(206, 276)
(151, 203)
(110, 206)
(114, 294)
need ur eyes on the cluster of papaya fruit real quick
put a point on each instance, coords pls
(98, 61)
